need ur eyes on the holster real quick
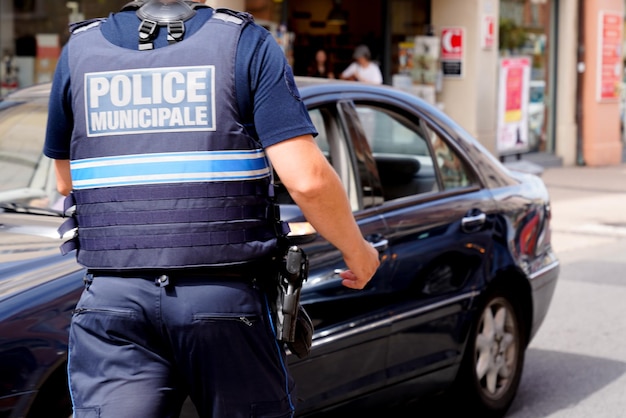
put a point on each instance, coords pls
(303, 339)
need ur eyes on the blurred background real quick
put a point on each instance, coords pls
(517, 74)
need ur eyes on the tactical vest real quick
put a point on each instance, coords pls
(164, 174)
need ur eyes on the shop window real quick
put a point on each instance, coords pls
(524, 31)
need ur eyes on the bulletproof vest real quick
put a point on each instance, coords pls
(164, 174)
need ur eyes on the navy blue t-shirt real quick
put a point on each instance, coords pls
(266, 93)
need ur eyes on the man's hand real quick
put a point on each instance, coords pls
(362, 265)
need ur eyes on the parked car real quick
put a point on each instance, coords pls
(466, 278)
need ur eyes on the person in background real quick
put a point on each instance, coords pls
(164, 143)
(322, 66)
(363, 68)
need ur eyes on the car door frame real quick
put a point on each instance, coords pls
(349, 350)
(451, 309)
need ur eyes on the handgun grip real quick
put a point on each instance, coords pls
(290, 305)
(293, 260)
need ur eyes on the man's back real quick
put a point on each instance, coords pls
(166, 153)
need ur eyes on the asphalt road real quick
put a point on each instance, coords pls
(576, 365)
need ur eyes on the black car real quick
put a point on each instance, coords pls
(466, 278)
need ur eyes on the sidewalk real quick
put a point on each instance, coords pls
(588, 205)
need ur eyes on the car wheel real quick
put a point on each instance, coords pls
(492, 366)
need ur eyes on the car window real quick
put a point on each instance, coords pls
(411, 156)
(403, 157)
(369, 190)
(321, 138)
(22, 128)
(332, 143)
(454, 172)
(25, 174)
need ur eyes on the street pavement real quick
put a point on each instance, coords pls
(588, 205)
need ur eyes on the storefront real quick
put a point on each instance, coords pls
(32, 33)
(494, 54)
(600, 60)
(508, 71)
(443, 50)
(459, 54)
(527, 29)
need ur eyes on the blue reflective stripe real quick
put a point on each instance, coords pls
(178, 167)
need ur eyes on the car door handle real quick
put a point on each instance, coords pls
(381, 245)
(379, 242)
(473, 222)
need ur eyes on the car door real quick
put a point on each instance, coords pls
(439, 230)
(349, 352)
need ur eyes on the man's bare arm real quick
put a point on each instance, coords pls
(317, 190)
(63, 175)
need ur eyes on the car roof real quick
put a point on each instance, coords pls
(315, 89)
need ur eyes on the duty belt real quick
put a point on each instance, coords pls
(247, 272)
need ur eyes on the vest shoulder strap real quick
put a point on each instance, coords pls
(136, 4)
(85, 24)
(149, 27)
(133, 5)
(195, 5)
(233, 16)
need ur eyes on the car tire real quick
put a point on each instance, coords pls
(491, 369)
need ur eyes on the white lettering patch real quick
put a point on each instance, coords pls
(150, 100)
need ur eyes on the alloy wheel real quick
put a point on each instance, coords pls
(497, 348)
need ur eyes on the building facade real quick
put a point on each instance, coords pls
(547, 73)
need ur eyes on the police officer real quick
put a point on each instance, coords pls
(161, 139)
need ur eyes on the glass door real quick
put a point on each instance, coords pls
(527, 27)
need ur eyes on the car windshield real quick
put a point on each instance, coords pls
(26, 176)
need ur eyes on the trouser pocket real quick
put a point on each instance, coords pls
(86, 413)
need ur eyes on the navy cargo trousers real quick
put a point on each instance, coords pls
(140, 345)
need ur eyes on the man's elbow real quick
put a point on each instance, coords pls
(314, 187)
(63, 176)
(64, 189)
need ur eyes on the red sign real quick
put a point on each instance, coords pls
(488, 32)
(610, 56)
(513, 91)
(452, 43)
